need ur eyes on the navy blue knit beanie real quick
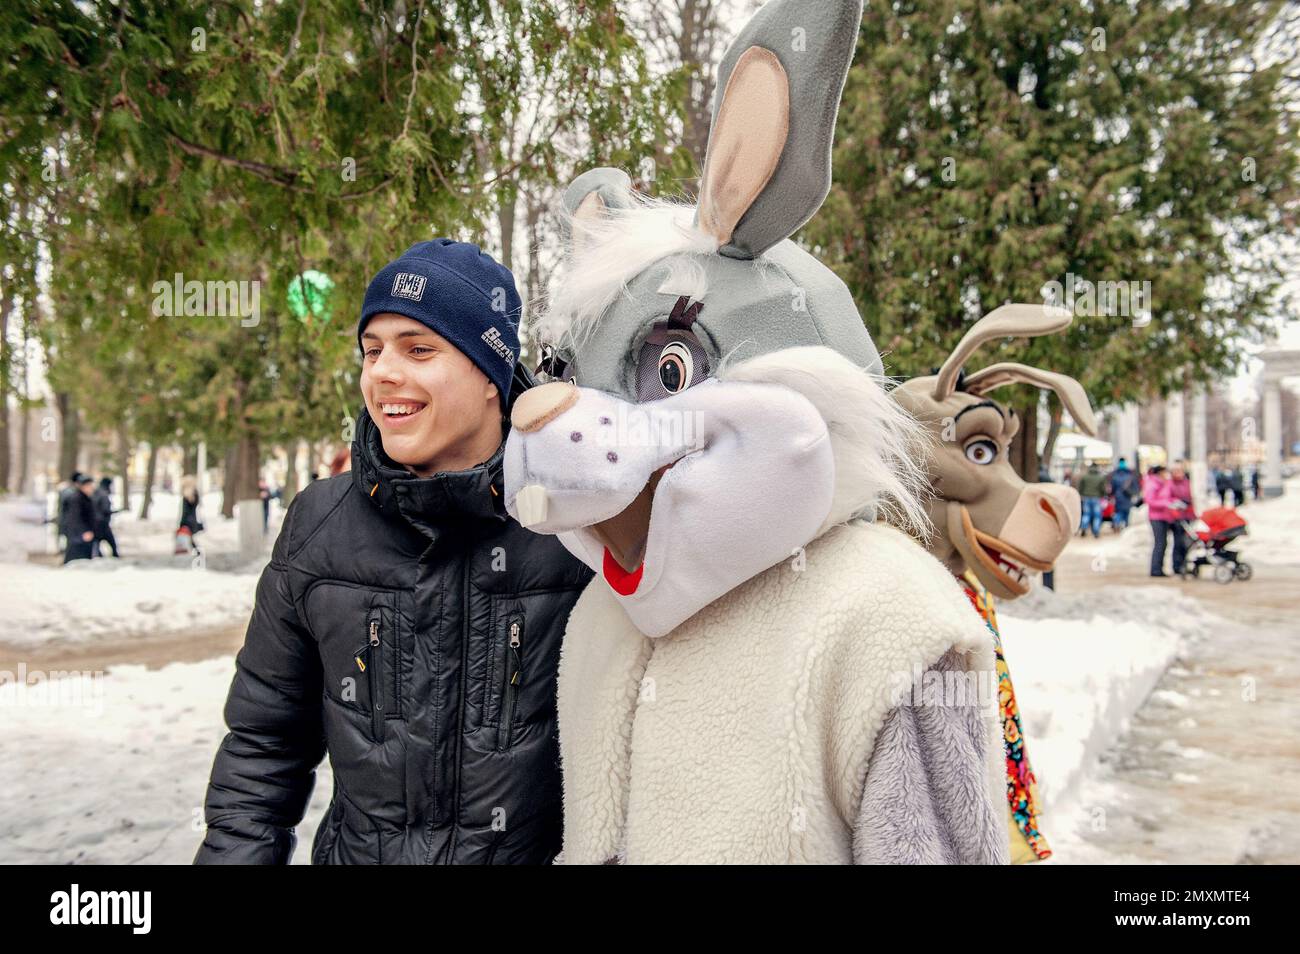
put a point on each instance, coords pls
(459, 292)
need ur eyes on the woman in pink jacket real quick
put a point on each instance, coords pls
(1168, 504)
(1181, 512)
(1158, 494)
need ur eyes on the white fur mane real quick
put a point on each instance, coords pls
(606, 253)
(877, 446)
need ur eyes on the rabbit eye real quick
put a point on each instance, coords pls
(676, 367)
(670, 361)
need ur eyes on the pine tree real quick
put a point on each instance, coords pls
(987, 149)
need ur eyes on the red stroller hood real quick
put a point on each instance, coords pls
(1220, 519)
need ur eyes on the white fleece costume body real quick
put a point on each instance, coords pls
(798, 668)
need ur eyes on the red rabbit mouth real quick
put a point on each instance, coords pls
(623, 583)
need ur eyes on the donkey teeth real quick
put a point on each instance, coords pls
(531, 505)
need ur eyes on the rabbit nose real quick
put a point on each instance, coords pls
(538, 406)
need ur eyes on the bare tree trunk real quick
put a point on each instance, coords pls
(506, 223)
(191, 462)
(248, 465)
(124, 459)
(24, 448)
(6, 306)
(229, 480)
(290, 488)
(24, 439)
(695, 50)
(1054, 431)
(150, 472)
(534, 281)
(1024, 448)
(69, 433)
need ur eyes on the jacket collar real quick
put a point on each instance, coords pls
(426, 502)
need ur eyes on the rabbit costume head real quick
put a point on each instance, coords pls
(719, 403)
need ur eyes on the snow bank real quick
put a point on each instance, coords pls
(90, 599)
(150, 590)
(113, 768)
(1273, 535)
(119, 774)
(1082, 666)
(22, 529)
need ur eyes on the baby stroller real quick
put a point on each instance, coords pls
(1208, 546)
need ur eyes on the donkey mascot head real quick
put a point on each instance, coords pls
(718, 422)
(986, 518)
(720, 402)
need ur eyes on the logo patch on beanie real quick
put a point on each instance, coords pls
(406, 285)
(493, 337)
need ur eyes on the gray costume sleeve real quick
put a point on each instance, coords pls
(927, 798)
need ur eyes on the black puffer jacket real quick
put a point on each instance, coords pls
(412, 629)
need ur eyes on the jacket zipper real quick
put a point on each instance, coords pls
(370, 660)
(513, 677)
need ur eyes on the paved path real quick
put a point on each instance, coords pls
(1209, 772)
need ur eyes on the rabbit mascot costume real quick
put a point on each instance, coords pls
(761, 672)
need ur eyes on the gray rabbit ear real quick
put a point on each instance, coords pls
(612, 187)
(768, 165)
(590, 196)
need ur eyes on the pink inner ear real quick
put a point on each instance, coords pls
(746, 142)
(589, 211)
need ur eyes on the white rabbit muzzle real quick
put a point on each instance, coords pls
(673, 502)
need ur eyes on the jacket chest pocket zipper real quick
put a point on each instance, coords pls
(370, 661)
(513, 675)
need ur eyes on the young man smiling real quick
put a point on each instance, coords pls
(406, 625)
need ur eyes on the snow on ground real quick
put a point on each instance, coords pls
(149, 590)
(1082, 665)
(1272, 537)
(118, 774)
(113, 768)
(90, 599)
(22, 529)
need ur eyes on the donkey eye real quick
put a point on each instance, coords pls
(982, 452)
(676, 367)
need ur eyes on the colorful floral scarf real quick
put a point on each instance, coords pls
(1020, 776)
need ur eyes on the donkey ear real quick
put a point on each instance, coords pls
(1008, 321)
(768, 165)
(1070, 391)
(590, 196)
